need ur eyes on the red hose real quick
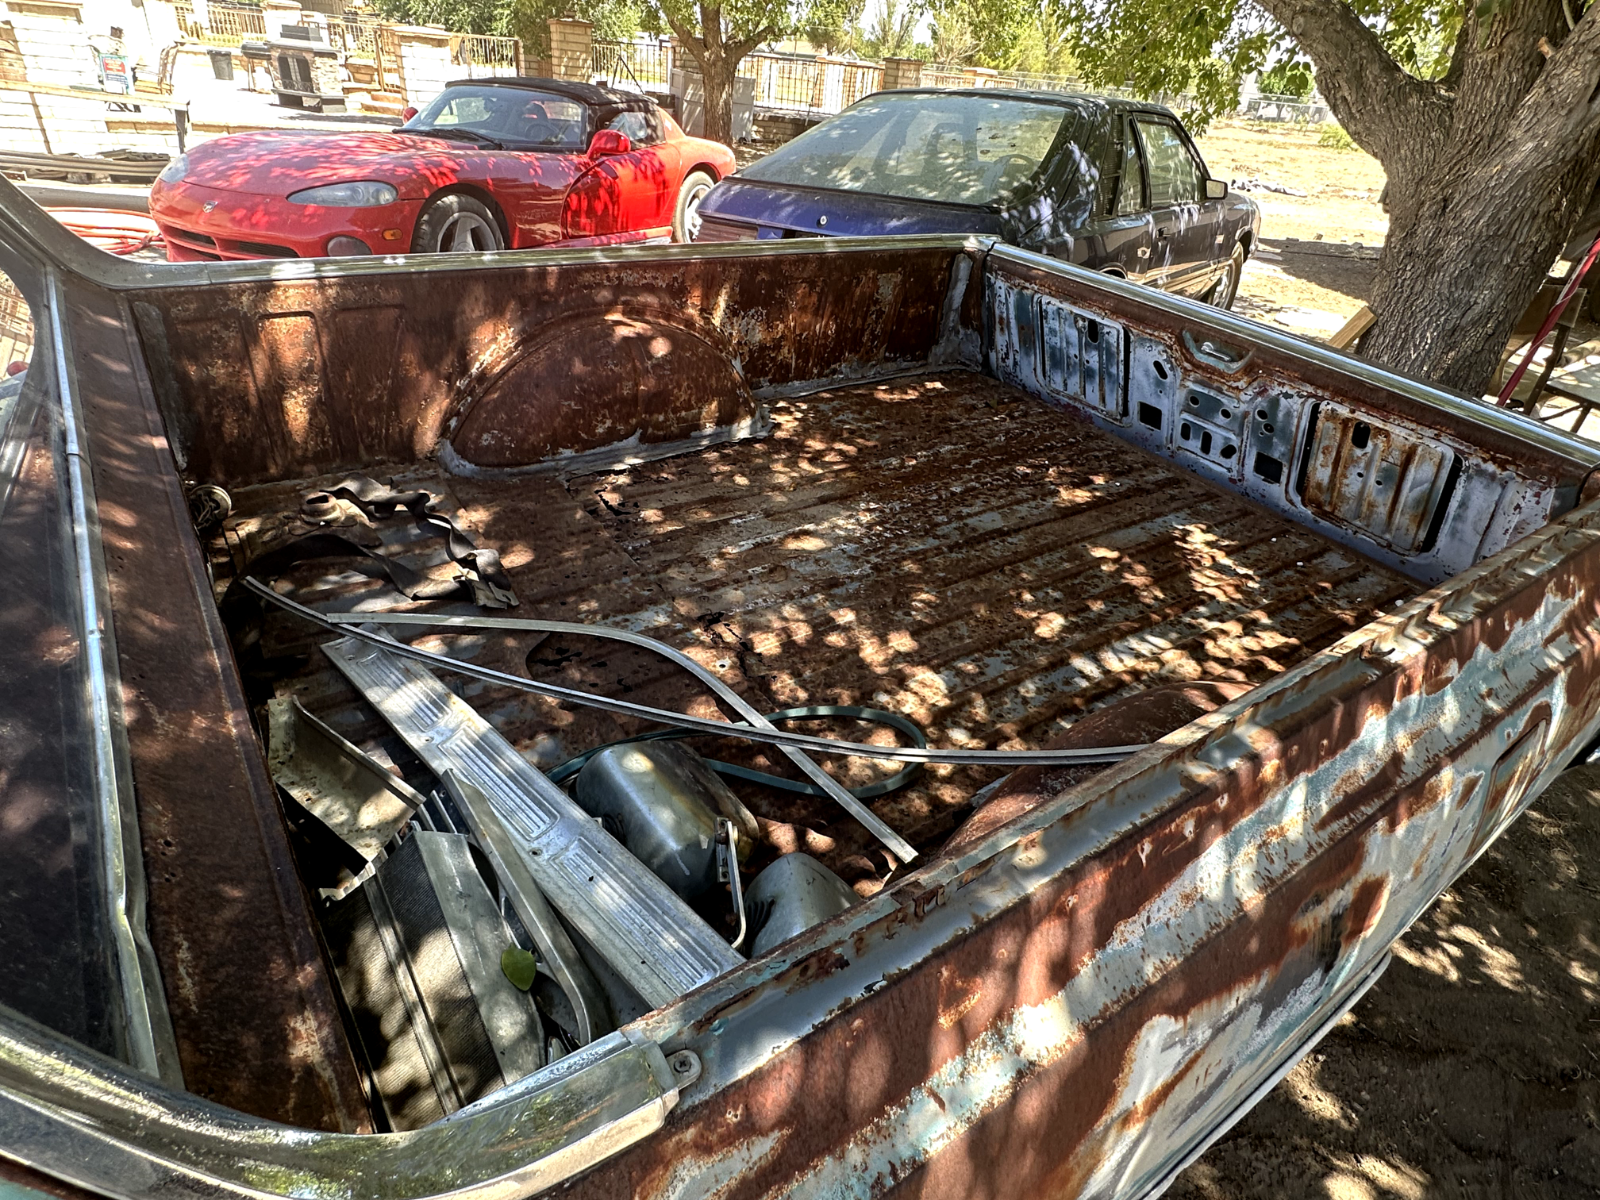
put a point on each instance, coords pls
(109, 230)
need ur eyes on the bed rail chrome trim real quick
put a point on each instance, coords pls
(82, 1118)
(147, 1033)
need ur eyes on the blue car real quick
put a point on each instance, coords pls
(1112, 185)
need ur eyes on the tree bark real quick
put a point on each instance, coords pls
(1488, 169)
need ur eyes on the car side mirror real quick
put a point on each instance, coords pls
(407, 113)
(1216, 189)
(608, 142)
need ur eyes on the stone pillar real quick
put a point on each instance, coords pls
(424, 65)
(901, 73)
(981, 77)
(572, 50)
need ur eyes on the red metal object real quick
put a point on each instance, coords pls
(1556, 310)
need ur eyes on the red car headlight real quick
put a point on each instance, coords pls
(365, 193)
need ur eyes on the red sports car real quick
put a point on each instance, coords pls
(489, 164)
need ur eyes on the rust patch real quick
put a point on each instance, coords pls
(257, 1024)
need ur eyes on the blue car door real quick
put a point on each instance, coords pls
(1183, 249)
(1118, 237)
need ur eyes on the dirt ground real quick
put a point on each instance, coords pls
(1318, 249)
(1472, 1069)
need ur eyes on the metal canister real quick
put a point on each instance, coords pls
(661, 801)
(789, 897)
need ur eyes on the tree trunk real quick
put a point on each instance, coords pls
(1488, 170)
(718, 75)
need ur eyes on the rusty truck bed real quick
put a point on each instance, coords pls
(937, 477)
(942, 545)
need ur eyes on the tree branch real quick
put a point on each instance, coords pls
(711, 25)
(1458, 55)
(690, 42)
(1382, 107)
(737, 50)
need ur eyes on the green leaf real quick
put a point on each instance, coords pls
(519, 966)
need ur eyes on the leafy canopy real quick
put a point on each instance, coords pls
(1203, 51)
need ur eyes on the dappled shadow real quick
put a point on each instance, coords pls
(1350, 274)
(942, 547)
(951, 551)
(1472, 1067)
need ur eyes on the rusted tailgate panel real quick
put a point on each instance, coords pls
(1065, 1014)
(277, 379)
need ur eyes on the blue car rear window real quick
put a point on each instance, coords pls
(957, 149)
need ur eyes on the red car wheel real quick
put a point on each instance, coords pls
(456, 224)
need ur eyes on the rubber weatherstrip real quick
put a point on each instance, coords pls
(349, 624)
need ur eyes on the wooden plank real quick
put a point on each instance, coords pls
(48, 89)
(1353, 328)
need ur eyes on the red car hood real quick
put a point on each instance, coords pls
(276, 164)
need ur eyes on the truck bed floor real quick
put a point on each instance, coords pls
(942, 546)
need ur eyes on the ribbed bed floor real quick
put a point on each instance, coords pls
(944, 547)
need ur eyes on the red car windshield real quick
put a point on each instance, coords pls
(507, 116)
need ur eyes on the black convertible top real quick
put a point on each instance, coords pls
(591, 94)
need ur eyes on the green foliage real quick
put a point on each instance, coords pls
(762, 20)
(1175, 48)
(1333, 136)
(892, 31)
(833, 25)
(1290, 77)
(1008, 35)
(1170, 48)
(459, 16)
(613, 20)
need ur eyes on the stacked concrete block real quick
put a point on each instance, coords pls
(51, 42)
(902, 73)
(425, 65)
(572, 50)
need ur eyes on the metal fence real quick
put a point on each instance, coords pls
(785, 83)
(354, 36)
(1284, 108)
(223, 24)
(821, 86)
(482, 56)
(635, 66)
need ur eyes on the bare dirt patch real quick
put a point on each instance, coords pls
(1317, 256)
